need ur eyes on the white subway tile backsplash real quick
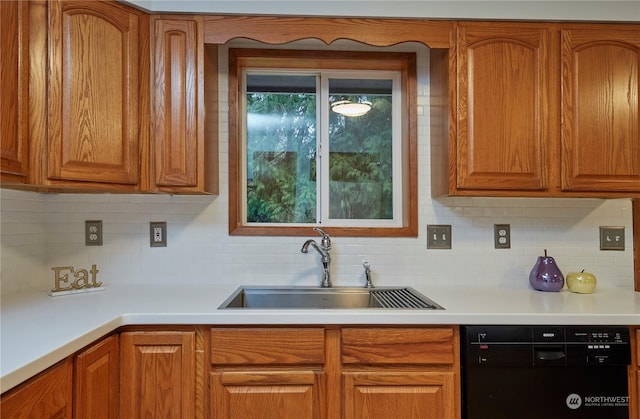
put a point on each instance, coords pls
(40, 231)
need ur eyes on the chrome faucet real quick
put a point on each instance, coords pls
(324, 248)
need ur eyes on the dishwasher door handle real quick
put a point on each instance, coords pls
(549, 354)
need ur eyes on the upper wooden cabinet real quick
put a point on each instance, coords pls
(95, 78)
(600, 103)
(503, 84)
(541, 109)
(97, 99)
(179, 153)
(14, 100)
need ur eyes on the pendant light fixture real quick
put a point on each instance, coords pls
(349, 108)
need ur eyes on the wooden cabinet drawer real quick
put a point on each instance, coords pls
(398, 346)
(246, 346)
(638, 347)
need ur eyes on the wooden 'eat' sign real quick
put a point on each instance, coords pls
(68, 280)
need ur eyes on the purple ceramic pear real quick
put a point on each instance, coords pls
(545, 275)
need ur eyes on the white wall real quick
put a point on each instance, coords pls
(41, 231)
(569, 10)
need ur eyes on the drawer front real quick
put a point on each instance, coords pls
(638, 347)
(399, 346)
(267, 346)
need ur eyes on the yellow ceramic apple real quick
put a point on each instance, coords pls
(581, 282)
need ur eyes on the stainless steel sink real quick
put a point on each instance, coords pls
(328, 298)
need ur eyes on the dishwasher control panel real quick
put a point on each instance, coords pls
(546, 345)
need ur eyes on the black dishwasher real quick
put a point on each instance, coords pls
(545, 372)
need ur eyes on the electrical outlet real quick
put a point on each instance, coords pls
(502, 236)
(439, 236)
(93, 233)
(611, 238)
(158, 233)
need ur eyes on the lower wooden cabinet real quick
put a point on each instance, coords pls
(157, 376)
(48, 395)
(268, 373)
(350, 373)
(399, 395)
(268, 394)
(400, 373)
(95, 384)
(82, 386)
(634, 375)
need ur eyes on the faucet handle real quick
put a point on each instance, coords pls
(322, 233)
(326, 240)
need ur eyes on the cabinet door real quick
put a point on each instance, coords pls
(14, 103)
(267, 394)
(48, 395)
(93, 92)
(96, 386)
(157, 378)
(178, 131)
(399, 395)
(600, 103)
(634, 375)
(634, 393)
(503, 94)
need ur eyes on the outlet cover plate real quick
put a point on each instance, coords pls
(158, 234)
(502, 236)
(439, 236)
(93, 232)
(611, 238)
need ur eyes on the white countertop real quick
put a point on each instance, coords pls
(37, 330)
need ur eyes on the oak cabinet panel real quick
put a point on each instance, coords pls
(14, 103)
(93, 89)
(400, 373)
(399, 395)
(634, 375)
(398, 346)
(503, 93)
(48, 395)
(96, 382)
(184, 154)
(600, 104)
(267, 346)
(157, 377)
(348, 372)
(268, 394)
(540, 109)
(268, 373)
(177, 91)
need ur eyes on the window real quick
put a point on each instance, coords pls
(300, 156)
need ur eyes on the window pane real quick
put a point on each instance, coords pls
(360, 157)
(281, 149)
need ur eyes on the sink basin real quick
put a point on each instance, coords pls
(328, 298)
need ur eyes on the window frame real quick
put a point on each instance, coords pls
(405, 63)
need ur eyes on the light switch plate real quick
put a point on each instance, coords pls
(611, 238)
(439, 236)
